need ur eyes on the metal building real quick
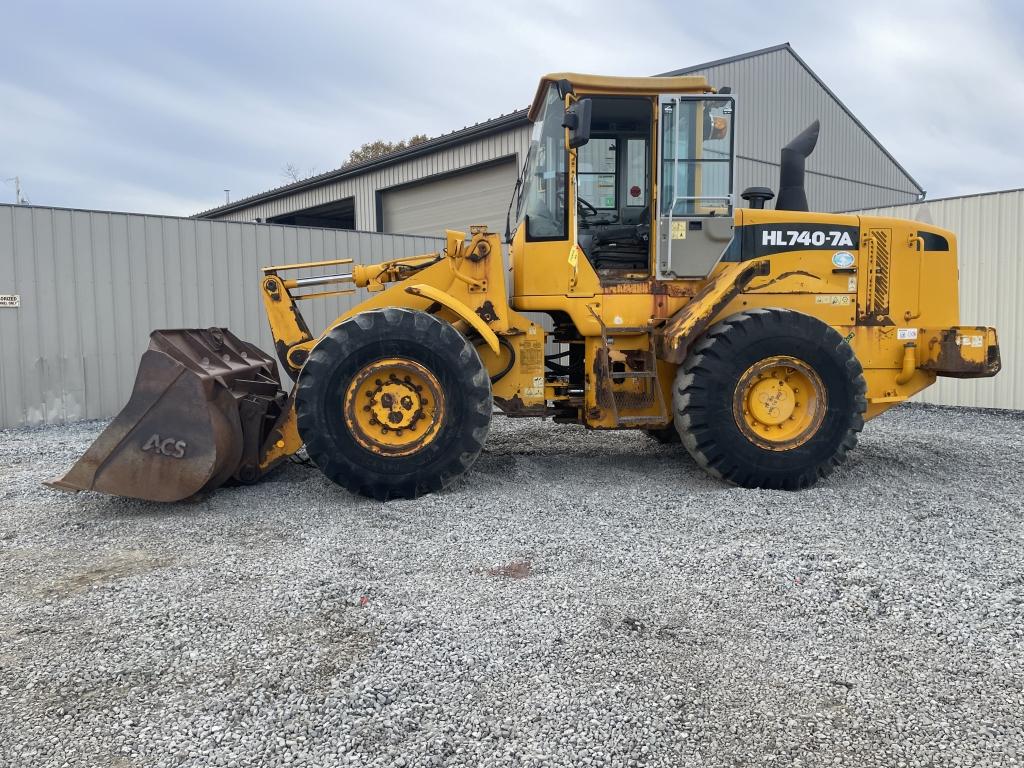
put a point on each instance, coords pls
(81, 290)
(990, 236)
(467, 177)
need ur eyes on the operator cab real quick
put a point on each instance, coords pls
(652, 193)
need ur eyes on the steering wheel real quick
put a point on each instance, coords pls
(585, 208)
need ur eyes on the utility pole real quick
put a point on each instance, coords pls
(18, 199)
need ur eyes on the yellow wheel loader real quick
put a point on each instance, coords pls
(763, 338)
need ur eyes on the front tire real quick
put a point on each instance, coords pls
(393, 403)
(770, 398)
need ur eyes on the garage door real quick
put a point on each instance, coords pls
(455, 202)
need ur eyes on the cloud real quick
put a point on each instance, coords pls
(123, 104)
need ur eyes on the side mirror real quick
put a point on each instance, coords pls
(577, 120)
(714, 127)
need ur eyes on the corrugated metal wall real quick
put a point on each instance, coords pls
(990, 233)
(777, 98)
(364, 187)
(93, 285)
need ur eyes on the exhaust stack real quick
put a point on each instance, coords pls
(792, 195)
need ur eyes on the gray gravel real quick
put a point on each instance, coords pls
(580, 599)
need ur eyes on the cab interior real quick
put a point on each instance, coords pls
(614, 185)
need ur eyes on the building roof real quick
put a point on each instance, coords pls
(502, 123)
(789, 49)
(513, 120)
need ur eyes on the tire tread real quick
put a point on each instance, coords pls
(709, 357)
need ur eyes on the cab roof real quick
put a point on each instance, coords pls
(625, 86)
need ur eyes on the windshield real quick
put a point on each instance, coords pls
(542, 194)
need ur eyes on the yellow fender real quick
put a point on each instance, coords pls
(674, 338)
(460, 309)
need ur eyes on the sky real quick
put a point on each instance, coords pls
(157, 107)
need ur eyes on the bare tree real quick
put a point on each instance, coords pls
(291, 173)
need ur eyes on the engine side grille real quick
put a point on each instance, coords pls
(879, 258)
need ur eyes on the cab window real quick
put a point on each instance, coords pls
(696, 157)
(595, 164)
(542, 200)
(613, 186)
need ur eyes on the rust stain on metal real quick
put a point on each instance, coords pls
(875, 321)
(783, 276)
(603, 378)
(949, 360)
(198, 416)
(643, 287)
(673, 340)
(514, 407)
(487, 312)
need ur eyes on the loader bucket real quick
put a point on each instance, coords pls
(203, 403)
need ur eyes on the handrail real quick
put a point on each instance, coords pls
(331, 263)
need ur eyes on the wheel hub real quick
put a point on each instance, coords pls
(396, 403)
(771, 400)
(394, 406)
(779, 403)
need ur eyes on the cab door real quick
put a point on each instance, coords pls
(696, 179)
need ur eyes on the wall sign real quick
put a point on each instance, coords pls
(10, 300)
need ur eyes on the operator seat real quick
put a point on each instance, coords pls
(622, 246)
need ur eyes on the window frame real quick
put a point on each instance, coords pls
(730, 159)
(529, 237)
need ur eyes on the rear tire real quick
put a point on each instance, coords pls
(770, 398)
(393, 403)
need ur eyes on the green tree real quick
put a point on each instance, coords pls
(374, 149)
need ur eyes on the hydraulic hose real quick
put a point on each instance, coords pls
(511, 359)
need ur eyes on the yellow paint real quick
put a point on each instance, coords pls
(779, 403)
(628, 324)
(284, 439)
(458, 308)
(394, 407)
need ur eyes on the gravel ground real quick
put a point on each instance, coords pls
(580, 599)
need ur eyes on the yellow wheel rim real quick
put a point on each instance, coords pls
(394, 407)
(779, 403)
